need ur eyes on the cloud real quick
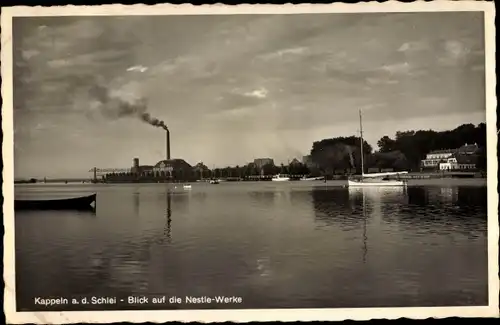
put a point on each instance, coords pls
(404, 47)
(258, 93)
(381, 81)
(414, 46)
(456, 49)
(139, 68)
(28, 54)
(456, 53)
(284, 53)
(397, 68)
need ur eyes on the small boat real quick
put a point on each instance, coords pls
(76, 203)
(320, 178)
(186, 187)
(214, 181)
(279, 178)
(373, 179)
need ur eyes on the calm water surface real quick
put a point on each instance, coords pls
(276, 245)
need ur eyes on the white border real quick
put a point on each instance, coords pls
(246, 315)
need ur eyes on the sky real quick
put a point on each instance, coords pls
(232, 88)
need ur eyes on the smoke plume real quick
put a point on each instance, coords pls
(146, 117)
(120, 103)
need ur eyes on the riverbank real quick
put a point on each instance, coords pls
(267, 178)
(446, 182)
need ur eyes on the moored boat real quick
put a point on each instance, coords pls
(75, 203)
(373, 179)
(320, 178)
(280, 178)
(375, 183)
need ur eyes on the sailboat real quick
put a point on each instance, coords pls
(373, 179)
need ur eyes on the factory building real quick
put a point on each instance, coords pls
(168, 170)
(173, 170)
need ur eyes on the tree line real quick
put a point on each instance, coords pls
(342, 155)
(250, 170)
(403, 152)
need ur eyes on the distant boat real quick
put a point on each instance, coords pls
(320, 178)
(279, 178)
(187, 187)
(214, 181)
(373, 179)
(77, 203)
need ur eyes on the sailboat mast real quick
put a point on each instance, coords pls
(361, 139)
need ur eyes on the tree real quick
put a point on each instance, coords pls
(330, 156)
(393, 159)
(268, 169)
(254, 171)
(341, 153)
(386, 144)
(297, 169)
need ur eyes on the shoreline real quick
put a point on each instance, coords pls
(267, 178)
(481, 181)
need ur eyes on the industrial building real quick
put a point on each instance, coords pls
(168, 170)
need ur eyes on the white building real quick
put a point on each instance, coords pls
(434, 158)
(451, 159)
(448, 164)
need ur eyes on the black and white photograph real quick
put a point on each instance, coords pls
(254, 162)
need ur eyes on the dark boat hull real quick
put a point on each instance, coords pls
(78, 203)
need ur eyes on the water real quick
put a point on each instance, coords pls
(276, 245)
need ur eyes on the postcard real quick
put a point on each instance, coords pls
(249, 163)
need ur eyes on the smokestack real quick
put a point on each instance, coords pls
(168, 144)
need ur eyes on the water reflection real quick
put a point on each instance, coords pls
(418, 196)
(340, 208)
(375, 203)
(384, 202)
(181, 199)
(137, 202)
(168, 215)
(461, 200)
(301, 199)
(265, 198)
(443, 210)
(79, 212)
(419, 210)
(472, 199)
(365, 238)
(200, 196)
